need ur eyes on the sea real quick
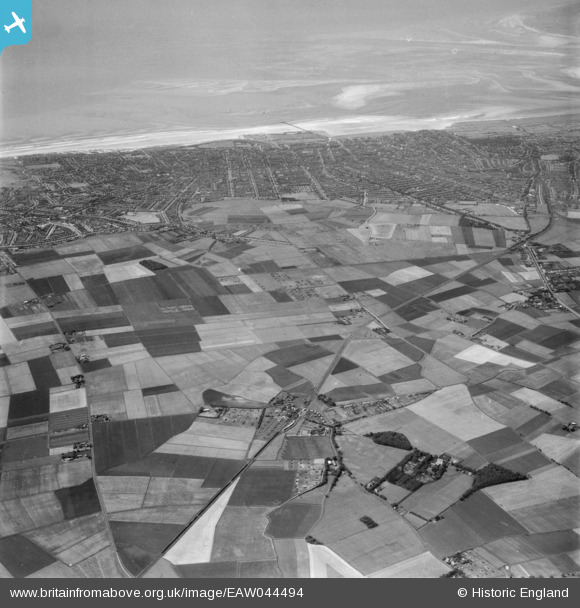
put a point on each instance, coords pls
(125, 74)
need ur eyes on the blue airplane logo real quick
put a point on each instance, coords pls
(17, 22)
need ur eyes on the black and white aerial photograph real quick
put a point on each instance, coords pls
(290, 289)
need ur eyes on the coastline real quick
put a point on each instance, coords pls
(351, 127)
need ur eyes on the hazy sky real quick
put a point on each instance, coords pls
(98, 67)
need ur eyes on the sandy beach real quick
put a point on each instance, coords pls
(344, 126)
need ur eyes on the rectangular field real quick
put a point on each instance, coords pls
(306, 448)
(234, 542)
(367, 550)
(263, 487)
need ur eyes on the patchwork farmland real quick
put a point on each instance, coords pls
(379, 389)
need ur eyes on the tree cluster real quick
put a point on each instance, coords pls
(391, 439)
(152, 265)
(312, 541)
(327, 400)
(492, 475)
(398, 476)
(368, 522)
(416, 469)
